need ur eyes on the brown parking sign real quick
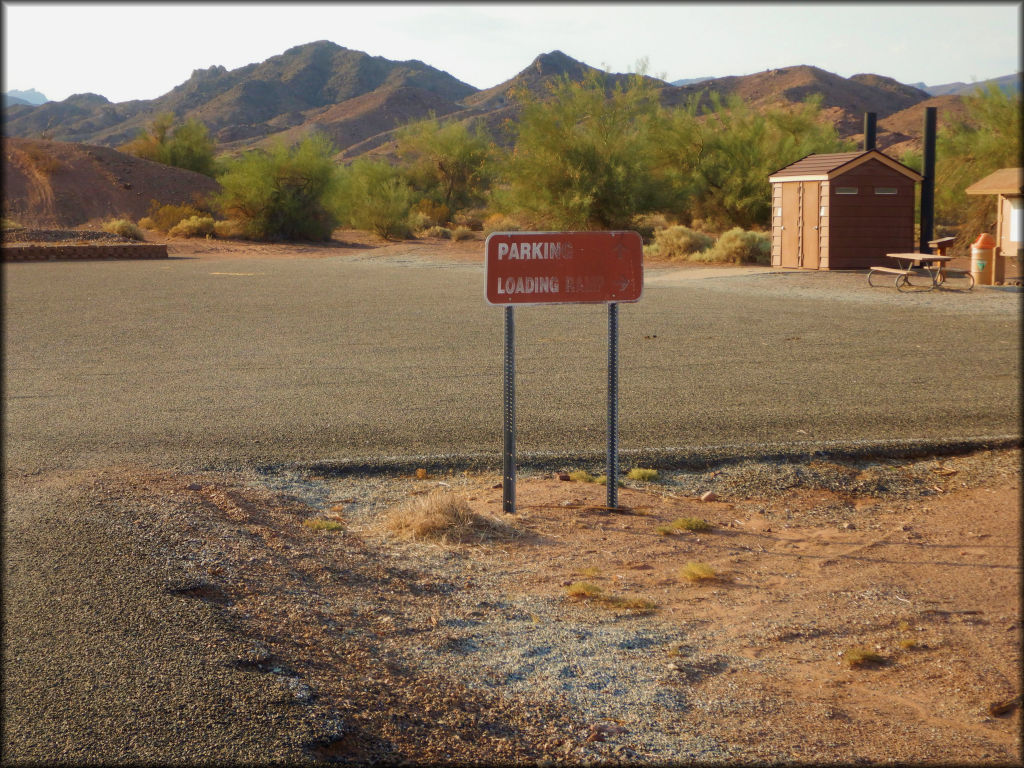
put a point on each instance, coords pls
(563, 267)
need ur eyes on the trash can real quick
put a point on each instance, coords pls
(983, 259)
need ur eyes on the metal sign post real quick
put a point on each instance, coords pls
(612, 456)
(562, 268)
(508, 455)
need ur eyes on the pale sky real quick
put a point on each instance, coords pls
(128, 51)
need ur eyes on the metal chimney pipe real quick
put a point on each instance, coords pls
(928, 183)
(869, 130)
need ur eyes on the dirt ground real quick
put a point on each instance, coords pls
(410, 641)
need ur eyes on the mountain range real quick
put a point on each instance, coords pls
(359, 100)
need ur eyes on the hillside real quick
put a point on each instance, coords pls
(58, 184)
(358, 100)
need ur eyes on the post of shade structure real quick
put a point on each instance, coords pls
(928, 183)
(869, 130)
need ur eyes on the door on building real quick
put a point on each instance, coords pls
(811, 218)
(790, 225)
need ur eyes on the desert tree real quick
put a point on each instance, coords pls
(583, 157)
(375, 196)
(284, 193)
(448, 161)
(985, 139)
(186, 145)
(740, 147)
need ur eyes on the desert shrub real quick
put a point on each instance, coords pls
(375, 196)
(193, 226)
(434, 214)
(164, 217)
(444, 517)
(738, 246)
(419, 221)
(285, 193)
(473, 220)
(462, 233)
(228, 229)
(648, 224)
(124, 228)
(187, 145)
(499, 222)
(442, 232)
(679, 242)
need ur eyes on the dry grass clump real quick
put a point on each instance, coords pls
(447, 518)
(462, 233)
(644, 475)
(323, 524)
(683, 524)
(694, 571)
(861, 657)
(122, 227)
(193, 226)
(584, 590)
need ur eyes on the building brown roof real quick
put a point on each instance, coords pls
(827, 166)
(1005, 181)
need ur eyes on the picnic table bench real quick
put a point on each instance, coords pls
(934, 267)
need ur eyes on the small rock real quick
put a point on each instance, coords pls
(194, 487)
(709, 496)
(849, 526)
(563, 476)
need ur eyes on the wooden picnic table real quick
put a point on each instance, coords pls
(934, 266)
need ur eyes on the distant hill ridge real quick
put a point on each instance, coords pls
(359, 100)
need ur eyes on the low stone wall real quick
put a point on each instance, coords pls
(82, 252)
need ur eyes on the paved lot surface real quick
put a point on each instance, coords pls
(335, 359)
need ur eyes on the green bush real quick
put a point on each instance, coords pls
(738, 246)
(194, 226)
(679, 242)
(649, 224)
(585, 157)
(164, 217)
(286, 193)
(376, 196)
(187, 145)
(124, 228)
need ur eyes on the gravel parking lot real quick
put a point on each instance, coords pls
(351, 357)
